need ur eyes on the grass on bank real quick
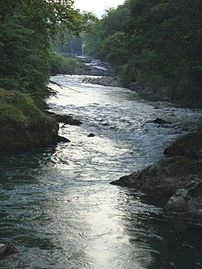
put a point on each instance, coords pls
(22, 124)
(62, 65)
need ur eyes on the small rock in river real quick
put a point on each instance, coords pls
(91, 135)
(6, 249)
(3, 248)
(160, 121)
(63, 139)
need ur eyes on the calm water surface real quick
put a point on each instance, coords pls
(57, 206)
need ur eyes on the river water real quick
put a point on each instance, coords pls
(57, 206)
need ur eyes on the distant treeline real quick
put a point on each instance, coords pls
(154, 42)
(71, 45)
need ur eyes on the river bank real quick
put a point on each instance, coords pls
(106, 75)
(174, 182)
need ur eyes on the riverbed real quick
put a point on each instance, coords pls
(57, 206)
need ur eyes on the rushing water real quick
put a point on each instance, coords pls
(57, 206)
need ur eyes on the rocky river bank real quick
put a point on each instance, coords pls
(175, 182)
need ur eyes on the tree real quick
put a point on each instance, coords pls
(26, 28)
(115, 48)
(155, 42)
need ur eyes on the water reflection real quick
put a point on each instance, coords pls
(58, 208)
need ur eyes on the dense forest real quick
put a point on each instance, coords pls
(153, 42)
(27, 31)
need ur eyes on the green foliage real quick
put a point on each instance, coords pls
(114, 21)
(93, 42)
(115, 46)
(26, 28)
(154, 42)
(71, 45)
(62, 65)
(127, 74)
(11, 113)
(165, 37)
(19, 107)
(22, 124)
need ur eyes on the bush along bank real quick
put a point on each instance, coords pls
(62, 65)
(154, 47)
(175, 182)
(22, 124)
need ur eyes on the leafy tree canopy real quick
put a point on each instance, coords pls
(155, 42)
(26, 28)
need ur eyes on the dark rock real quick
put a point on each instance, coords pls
(3, 248)
(6, 249)
(174, 183)
(63, 139)
(163, 178)
(189, 145)
(64, 119)
(160, 121)
(196, 190)
(160, 177)
(186, 201)
(156, 107)
(91, 135)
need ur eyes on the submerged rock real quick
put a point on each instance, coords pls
(22, 124)
(6, 249)
(189, 145)
(3, 248)
(160, 121)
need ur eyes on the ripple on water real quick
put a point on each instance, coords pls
(57, 206)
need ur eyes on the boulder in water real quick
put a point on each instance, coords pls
(164, 178)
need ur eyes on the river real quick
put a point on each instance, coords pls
(57, 206)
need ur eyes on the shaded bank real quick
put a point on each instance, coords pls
(22, 124)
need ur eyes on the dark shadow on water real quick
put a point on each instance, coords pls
(20, 196)
(18, 166)
(173, 242)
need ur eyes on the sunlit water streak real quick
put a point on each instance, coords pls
(57, 206)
